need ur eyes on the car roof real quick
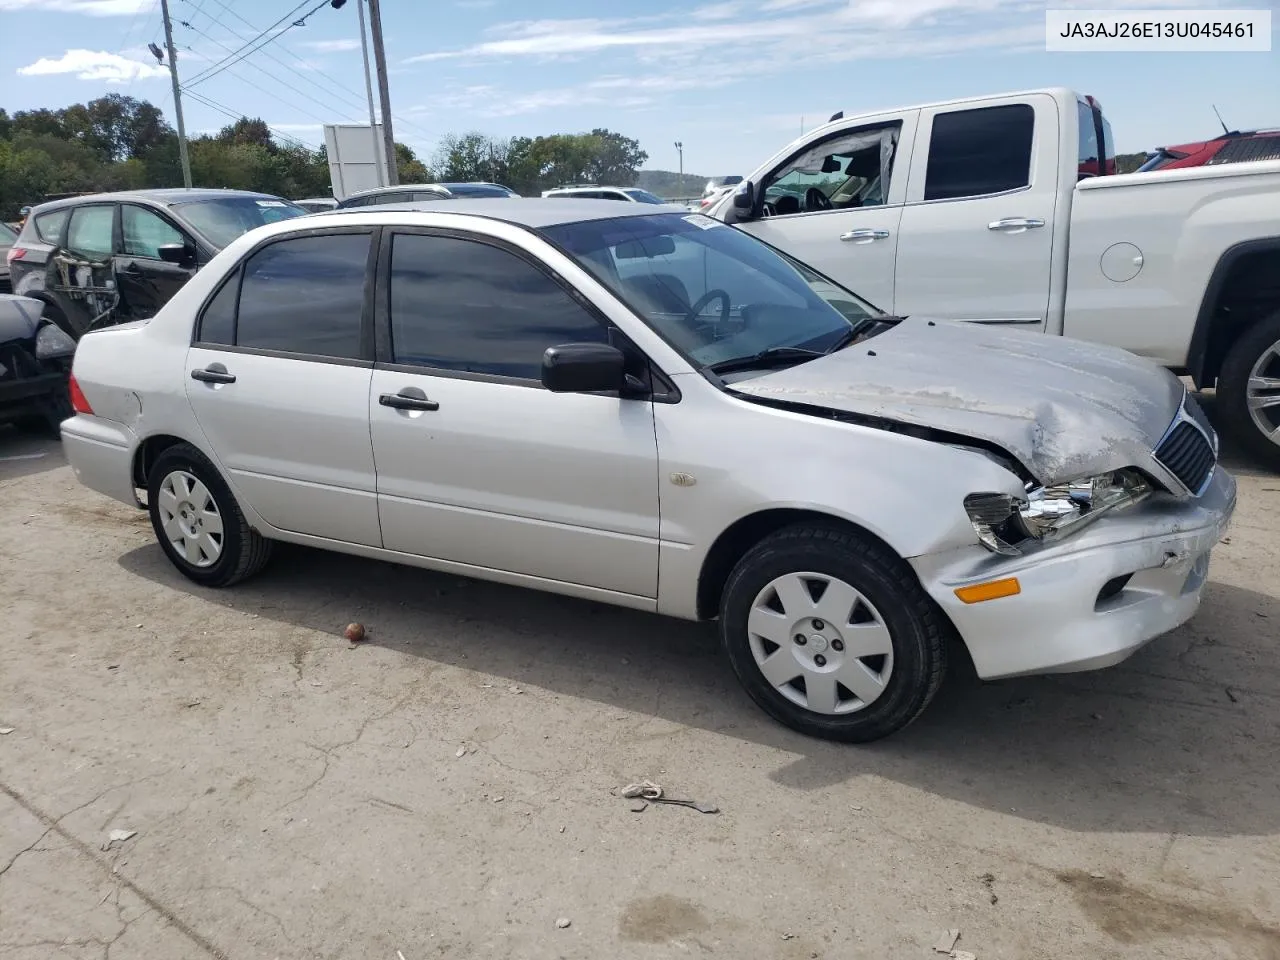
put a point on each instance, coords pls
(165, 196)
(532, 212)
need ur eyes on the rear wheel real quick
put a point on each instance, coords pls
(198, 522)
(1249, 391)
(832, 635)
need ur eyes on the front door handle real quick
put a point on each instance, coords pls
(857, 236)
(407, 401)
(1014, 224)
(214, 373)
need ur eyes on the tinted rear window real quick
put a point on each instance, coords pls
(978, 152)
(49, 225)
(222, 220)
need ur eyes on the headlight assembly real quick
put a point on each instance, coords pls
(52, 342)
(1004, 522)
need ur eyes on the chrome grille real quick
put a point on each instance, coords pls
(1189, 449)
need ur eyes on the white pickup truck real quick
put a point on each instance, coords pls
(1000, 210)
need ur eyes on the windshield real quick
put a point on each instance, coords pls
(712, 291)
(644, 196)
(7, 233)
(224, 219)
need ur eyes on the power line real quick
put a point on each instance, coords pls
(260, 42)
(333, 87)
(265, 71)
(228, 112)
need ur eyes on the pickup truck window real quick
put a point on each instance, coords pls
(850, 169)
(973, 153)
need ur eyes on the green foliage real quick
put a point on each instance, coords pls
(531, 165)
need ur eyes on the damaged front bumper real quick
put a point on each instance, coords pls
(1088, 601)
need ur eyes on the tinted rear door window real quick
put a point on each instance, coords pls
(464, 305)
(306, 296)
(977, 152)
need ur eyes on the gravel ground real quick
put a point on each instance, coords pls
(444, 790)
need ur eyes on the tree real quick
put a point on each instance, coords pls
(409, 168)
(246, 131)
(616, 159)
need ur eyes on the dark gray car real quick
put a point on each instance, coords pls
(113, 257)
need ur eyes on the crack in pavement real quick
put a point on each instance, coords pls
(86, 851)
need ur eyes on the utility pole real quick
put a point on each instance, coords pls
(384, 93)
(680, 176)
(368, 91)
(177, 95)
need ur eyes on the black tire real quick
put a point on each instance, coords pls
(1233, 383)
(244, 551)
(918, 629)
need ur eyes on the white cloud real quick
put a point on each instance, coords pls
(93, 8)
(331, 46)
(93, 65)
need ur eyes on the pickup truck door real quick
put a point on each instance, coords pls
(854, 241)
(976, 237)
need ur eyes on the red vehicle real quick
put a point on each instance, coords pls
(1233, 147)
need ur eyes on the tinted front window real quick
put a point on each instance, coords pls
(464, 305)
(90, 231)
(712, 291)
(224, 219)
(144, 232)
(305, 295)
(977, 152)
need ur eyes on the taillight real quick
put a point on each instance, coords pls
(78, 403)
(15, 253)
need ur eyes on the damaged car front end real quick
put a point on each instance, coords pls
(35, 363)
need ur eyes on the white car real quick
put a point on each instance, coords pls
(649, 408)
(592, 191)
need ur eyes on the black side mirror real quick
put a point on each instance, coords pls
(583, 368)
(179, 253)
(744, 198)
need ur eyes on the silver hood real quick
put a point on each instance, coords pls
(1062, 407)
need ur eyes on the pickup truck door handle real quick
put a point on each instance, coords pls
(405, 400)
(1014, 224)
(864, 235)
(213, 373)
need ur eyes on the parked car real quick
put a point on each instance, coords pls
(644, 407)
(986, 210)
(416, 193)
(593, 191)
(317, 204)
(35, 363)
(7, 237)
(711, 199)
(113, 257)
(717, 184)
(1232, 147)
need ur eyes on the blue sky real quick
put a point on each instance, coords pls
(731, 79)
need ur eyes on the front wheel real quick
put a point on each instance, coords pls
(1249, 391)
(198, 522)
(832, 635)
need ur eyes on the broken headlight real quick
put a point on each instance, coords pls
(52, 343)
(1003, 521)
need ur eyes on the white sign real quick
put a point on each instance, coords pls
(356, 159)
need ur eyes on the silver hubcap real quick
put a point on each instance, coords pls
(820, 643)
(1263, 393)
(190, 519)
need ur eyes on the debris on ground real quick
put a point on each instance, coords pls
(640, 806)
(1098, 876)
(497, 799)
(118, 836)
(963, 955)
(462, 752)
(988, 881)
(946, 941)
(5, 731)
(355, 632)
(788, 936)
(399, 955)
(652, 792)
(1231, 695)
(514, 690)
(563, 923)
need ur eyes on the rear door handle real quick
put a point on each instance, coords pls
(1014, 224)
(857, 235)
(214, 373)
(405, 401)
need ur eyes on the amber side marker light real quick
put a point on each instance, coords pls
(992, 590)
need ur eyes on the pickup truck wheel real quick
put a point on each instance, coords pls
(198, 522)
(1249, 391)
(832, 634)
